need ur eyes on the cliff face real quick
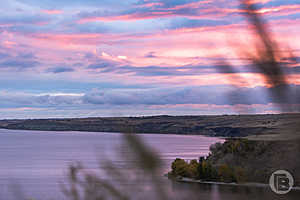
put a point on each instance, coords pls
(225, 125)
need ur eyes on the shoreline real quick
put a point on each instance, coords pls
(107, 132)
(247, 184)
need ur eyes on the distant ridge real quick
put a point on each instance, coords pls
(209, 125)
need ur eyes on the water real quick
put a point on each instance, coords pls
(35, 163)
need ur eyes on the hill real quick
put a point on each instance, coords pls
(253, 126)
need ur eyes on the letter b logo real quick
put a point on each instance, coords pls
(281, 182)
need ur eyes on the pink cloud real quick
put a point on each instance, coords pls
(280, 10)
(8, 44)
(199, 13)
(248, 80)
(127, 17)
(211, 12)
(259, 1)
(52, 12)
(72, 39)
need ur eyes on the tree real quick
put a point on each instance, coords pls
(180, 167)
(240, 174)
(193, 169)
(226, 173)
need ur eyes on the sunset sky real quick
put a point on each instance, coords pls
(84, 58)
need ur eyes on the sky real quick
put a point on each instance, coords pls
(87, 58)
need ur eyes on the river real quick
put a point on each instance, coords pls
(35, 163)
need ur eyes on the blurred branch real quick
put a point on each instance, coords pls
(83, 184)
(267, 59)
(268, 56)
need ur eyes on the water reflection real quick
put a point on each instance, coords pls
(221, 192)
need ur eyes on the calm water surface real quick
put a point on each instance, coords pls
(35, 163)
